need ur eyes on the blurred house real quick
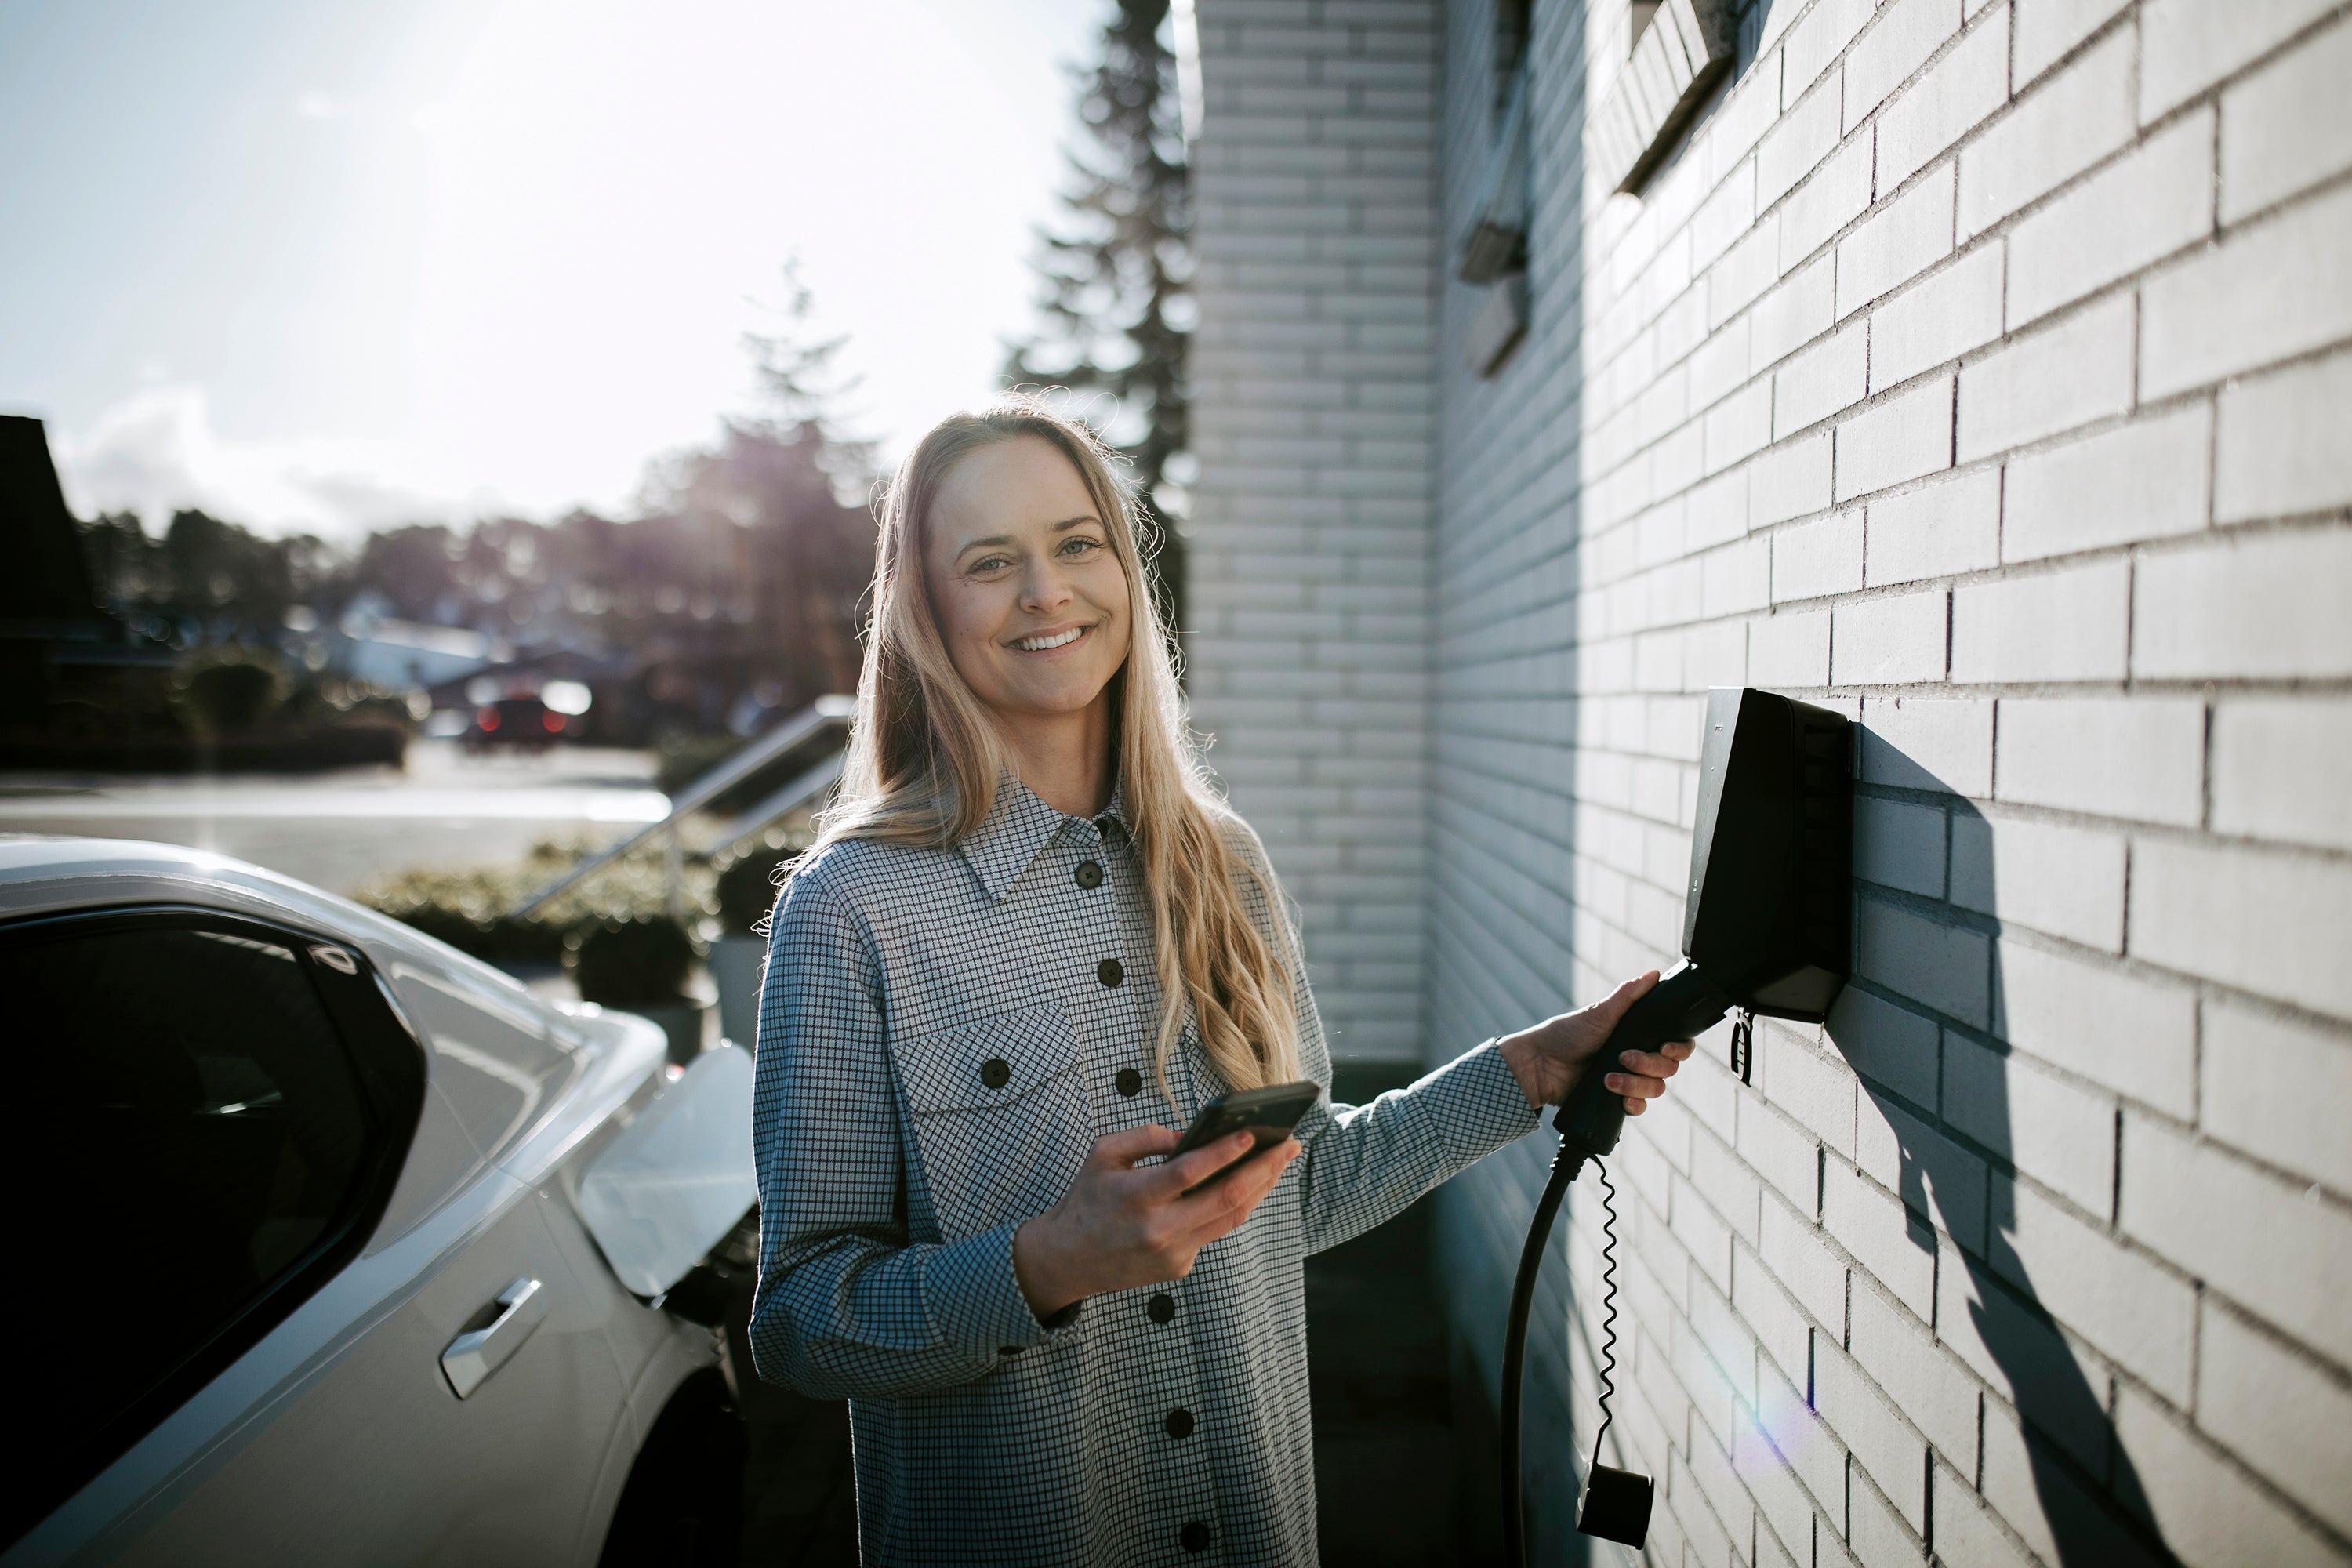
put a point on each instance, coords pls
(1984, 370)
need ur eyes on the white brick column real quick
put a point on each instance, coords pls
(1312, 393)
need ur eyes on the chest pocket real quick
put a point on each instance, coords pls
(1000, 1117)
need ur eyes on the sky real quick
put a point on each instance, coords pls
(330, 268)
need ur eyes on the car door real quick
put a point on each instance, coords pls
(471, 1423)
(268, 1341)
(211, 1113)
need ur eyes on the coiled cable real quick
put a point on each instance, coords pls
(1608, 1300)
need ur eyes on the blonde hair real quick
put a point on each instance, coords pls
(925, 762)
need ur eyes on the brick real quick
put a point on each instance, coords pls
(2070, 624)
(1787, 1512)
(2047, 29)
(2064, 125)
(1783, 1153)
(2262, 921)
(1927, 1383)
(2279, 766)
(2284, 129)
(1907, 436)
(2279, 446)
(2142, 480)
(2186, 47)
(1898, 844)
(1901, 240)
(1940, 530)
(1790, 481)
(2287, 1418)
(2153, 201)
(1898, 43)
(2058, 378)
(2042, 876)
(2248, 1056)
(1983, 1320)
(2113, 1296)
(1889, 641)
(1805, 134)
(1799, 310)
(1933, 1175)
(1933, 962)
(1881, 1441)
(2055, 1131)
(2211, 1514)
(1744, 272)
(2133, 1035)
(1835, 194)
(1928, 742)
(1938, 318)
(1787, 651)
(2139, 759)
(1820, 34)
(2277, 288)
(2041, 1501)
(1875, 1533)
(1737, 577)
(1826, 379)
(1958, 93)
(2268, 606)
(1793, 1250)
(1814, 1087)
(1704, 1236)
(1969, 1531)
(1887, 1044)
(1738, 425)
(2242, 1231)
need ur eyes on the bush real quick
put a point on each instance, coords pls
(635, 964)
(747, 890)
(233, 688)
(468, 907)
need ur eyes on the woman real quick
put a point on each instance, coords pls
(1029, 943)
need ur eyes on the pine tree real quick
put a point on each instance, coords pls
(1116, 282)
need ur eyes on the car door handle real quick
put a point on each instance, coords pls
(473, 1355)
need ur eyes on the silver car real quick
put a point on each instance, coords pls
(328, 1244)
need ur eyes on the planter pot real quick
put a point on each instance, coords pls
(687, 1022)
(735, 963)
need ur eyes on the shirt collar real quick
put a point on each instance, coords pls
(1018, 827)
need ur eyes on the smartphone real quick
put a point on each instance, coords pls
(1266, 1114)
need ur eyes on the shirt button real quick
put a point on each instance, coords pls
(1110, 972)
(1178, 1424)
(1089, 874)
(1129, 1082)
(1193, 1537)
(996, 1073)
(1162, 1308)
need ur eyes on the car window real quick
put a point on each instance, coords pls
(191, 1132)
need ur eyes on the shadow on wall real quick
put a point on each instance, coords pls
(1924, 1024)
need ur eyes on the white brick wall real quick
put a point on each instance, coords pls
(1982, 368)
(1313, 416)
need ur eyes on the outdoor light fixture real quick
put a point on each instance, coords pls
(1768, 927)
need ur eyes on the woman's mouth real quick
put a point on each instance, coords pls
(1050, 640)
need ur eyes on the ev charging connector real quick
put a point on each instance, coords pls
(1768, 927)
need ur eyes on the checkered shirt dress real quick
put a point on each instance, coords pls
(943, 1035)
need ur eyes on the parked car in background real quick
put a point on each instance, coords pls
(527, 722)
(328, 1244)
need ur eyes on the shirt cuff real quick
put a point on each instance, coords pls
(976, 1296)
(1480, 1090)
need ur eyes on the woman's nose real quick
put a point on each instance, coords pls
(1044, 587)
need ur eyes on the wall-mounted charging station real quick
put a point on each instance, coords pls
(1768, 927)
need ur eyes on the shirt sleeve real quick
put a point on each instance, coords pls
(847, 1306)
(1364, 1164)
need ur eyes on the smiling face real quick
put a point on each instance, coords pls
(1030, 599)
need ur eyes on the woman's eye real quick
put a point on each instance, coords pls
(988, 563)
(1080, 546)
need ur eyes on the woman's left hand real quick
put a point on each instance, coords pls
(1551, 1058)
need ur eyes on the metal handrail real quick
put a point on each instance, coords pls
(826, 713)
(800, 792)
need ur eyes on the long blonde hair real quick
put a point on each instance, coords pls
(925, 762)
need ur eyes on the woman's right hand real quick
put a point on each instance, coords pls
(1119, 1227)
